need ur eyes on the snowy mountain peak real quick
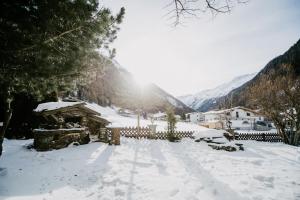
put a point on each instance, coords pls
(195, 101)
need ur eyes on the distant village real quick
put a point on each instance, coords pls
(237, 118)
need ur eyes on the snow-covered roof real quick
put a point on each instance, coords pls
(229, 110)
(216, 112)
(54, 105)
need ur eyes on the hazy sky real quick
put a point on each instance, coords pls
(205, 52)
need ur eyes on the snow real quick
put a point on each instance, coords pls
(61, 129)
(150, 169)
(54, 105)
(255, 132)
(117, 120)
(159, 114)
(195, 101)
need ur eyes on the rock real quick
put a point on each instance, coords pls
(226, 148)
(241, 147)
(228, 136)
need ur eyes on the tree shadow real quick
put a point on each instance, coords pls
(36, 173)
(195, 169)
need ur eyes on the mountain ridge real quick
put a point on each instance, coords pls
(238, 96)
(117, 86)
(197, 101)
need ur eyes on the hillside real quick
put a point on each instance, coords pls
(237, 97)
(111, 84)
(201, 100)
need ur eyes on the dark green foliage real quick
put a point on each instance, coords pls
(171, 119)
(46, 44)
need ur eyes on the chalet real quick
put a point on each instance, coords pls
(178, 117)
(124, 112)
(62, 123)
(195, 117)
(160, 116)
(239, 118)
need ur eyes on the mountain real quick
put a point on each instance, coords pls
(238, 96)
(200, 100)
(111, 84)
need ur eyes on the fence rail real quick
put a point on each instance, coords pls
(261, 136)
(145, 132)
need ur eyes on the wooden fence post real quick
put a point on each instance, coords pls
(116, 136)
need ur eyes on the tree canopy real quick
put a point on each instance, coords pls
(46, 43)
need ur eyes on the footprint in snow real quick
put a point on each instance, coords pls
(174, 192)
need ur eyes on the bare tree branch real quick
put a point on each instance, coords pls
(178, 9)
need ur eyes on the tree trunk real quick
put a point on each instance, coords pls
(7, 117)
(296, 137)
(282, 132)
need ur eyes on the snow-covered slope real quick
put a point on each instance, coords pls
(195, 101)
(114, 85)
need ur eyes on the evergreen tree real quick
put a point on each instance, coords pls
(171, 119)
(45, 44)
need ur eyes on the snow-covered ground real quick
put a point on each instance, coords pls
(150, 169)
(254, 131)
(120, 121)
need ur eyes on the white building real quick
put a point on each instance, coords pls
(159, 116)
(239, 118)
(195, 117)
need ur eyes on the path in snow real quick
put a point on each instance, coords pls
(150, 169)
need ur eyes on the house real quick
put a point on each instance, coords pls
(239, 118)
(124, 112)
(160, 116)
(178, 117)
(216, 124)
(195, 117)
(62, 123)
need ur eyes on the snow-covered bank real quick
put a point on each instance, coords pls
(150, 169)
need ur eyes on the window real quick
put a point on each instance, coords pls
(248, 114)
(261, 123)
(237, 114)
(245, 122)
(228, 113)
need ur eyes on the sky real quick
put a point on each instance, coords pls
(202, 52)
